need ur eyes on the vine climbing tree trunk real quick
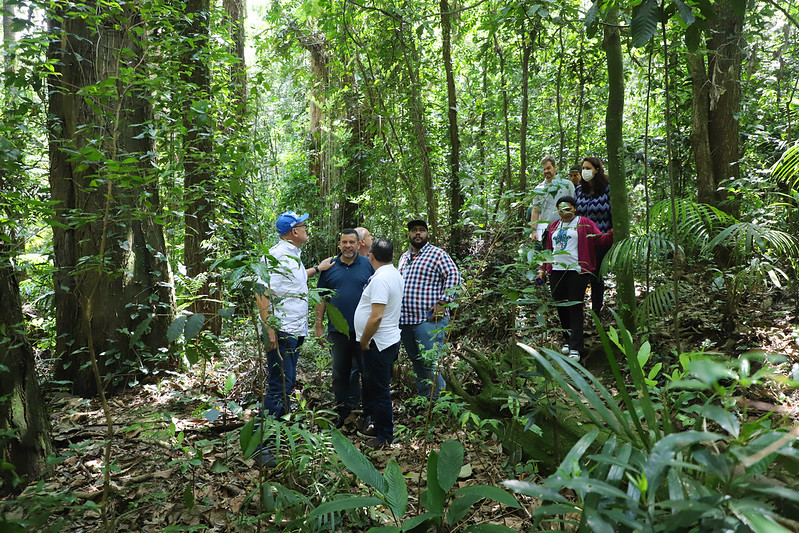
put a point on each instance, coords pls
(104, 188)
(198, 159)
(614, 129)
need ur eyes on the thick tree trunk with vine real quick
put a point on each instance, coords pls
(104, 186)
(716, 100)
(198, 160)
(23, 416)
(614, 131)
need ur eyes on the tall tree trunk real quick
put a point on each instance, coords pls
(411, 58)
(198, 159)
(455, 192)
(718, 90)
(23, 417)
(112, 280)
(527, 49)
(238, 130)
(700, 139)
(614, 130)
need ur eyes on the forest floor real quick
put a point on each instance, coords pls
(178, 468)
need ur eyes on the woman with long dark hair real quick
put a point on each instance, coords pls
(593, 201)
(574, 241)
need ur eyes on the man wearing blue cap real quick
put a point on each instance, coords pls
(286, 299)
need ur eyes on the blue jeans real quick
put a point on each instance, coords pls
(424, 366)
(377, 388)
(347, 357)
(282, 364)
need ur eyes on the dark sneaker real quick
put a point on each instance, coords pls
(367, 432)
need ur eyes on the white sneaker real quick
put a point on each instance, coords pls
(574, 354)
(564, 349)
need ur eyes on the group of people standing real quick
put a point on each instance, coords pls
(382, 306)
(572, 218)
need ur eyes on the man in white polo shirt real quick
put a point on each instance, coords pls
(377, 329)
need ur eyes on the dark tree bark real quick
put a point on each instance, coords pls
(23, 417)
(717, 89)
(455, 192)
(112, 280)
(614, 129)
(198, 159)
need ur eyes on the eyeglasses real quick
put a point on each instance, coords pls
(301, 226)
(566, 209)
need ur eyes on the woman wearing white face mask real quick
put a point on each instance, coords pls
(593, 201)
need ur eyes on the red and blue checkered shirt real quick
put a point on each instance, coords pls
(430, 276)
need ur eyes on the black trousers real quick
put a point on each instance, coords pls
(568, 292)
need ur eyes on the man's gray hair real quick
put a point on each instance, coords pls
(549, 159)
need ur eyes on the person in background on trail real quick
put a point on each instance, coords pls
(346, 279)
(544, 211)
(575, 174)
(575, 240)
(364, 241)
(593, 201)
(431, 277)
(377, 329)
(286, 299)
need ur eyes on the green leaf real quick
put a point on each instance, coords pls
(188, 497)
(458, 508)
(397, 495)
(434, 500)
(176, 328)
(211, 414)
(338, 320)
(247, 443)
(645, 22)
(450, 461)
(193, 325)
(418, 520)
(536, 491)
(230, 382)
(723, 418)
(344, 504)
(686, 14)
(192, 355)
(358, 463)
(492, 493)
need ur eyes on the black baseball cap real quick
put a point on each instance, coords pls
(417, 222)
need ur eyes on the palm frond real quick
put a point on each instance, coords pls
(633, 250)
(786, 169)
(657, 304)
(748, 237)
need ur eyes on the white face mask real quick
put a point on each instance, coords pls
(588, 174)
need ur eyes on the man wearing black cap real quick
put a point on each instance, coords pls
(286, 302)
(431, 277)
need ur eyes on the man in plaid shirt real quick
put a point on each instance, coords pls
(431, 277)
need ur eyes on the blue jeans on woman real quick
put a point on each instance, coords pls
(282, 365)
(427, 336)
(377, 389)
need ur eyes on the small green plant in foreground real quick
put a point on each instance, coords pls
(445, 508)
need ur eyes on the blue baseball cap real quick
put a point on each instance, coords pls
(288, 220)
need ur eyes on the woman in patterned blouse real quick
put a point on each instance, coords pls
(593, 201)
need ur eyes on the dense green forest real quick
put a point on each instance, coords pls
(149, 146)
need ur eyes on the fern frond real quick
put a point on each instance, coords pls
(658, 304)
(748, 237)
(633, 250)
(786, 169)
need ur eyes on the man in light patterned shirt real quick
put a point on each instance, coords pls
(431, 278)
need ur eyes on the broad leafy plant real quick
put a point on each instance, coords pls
(445, 507)
(635, 470)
